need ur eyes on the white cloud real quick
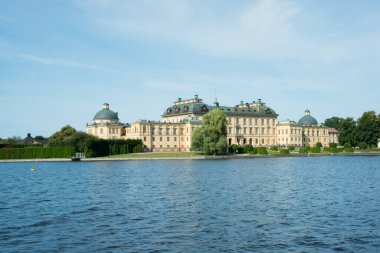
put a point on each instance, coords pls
(61, 62)
(265, 29)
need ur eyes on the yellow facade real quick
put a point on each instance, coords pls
(247, 123)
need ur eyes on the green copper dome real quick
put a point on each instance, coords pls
(106, 114)
(307, 120)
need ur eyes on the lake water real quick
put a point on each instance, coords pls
(320, 204)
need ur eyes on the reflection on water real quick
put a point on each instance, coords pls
(322, 204)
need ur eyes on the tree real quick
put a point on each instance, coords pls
(369, 129)
(62, 135)
(348, 132)
(211, 137)
(333, 122)
(69, 136)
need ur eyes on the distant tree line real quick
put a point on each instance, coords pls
(363, 133)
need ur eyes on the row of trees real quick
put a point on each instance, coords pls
(365, 132)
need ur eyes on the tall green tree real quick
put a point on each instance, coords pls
(69, 136)
(333, 122)
(211, 137)
(348, 132)
(369, 128)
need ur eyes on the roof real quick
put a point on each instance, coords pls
(333, 130)
(106, 114)
(307, 119)
(198, 108)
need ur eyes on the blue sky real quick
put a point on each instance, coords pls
(60, 60)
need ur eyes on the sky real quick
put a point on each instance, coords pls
(61, 60)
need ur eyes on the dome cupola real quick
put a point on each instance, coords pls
(307, 119)
(106, 115)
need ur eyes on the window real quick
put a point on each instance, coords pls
(167, 138)
(160, 131)
(160, 138)
(153, 130)
(175, 138)
(244, 121)
(167, 131)
(153, 138)
(144, 138)
(250, 121)
(175, 131)
(262, 121)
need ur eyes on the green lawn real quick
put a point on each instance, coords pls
(157, 155)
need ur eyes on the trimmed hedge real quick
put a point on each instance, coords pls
(100, 147)
(262, 151)
(253, 151)
(274, 148)
(21, 145)
(284, 151)
(32, 153)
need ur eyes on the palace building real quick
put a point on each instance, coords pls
(247, 123)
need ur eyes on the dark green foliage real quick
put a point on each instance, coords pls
(333, 122)
(369, 129)
(11, 140)
(315, 150)
(253, 152)
(234, 148)
(21, 145)
(284, 151)
(348, 132)
(333, 145)
(363, 145)
(33, 153)
(349, 150)
(211, 137)
(347, 145)
(303, 151)
(274, 148)
(291, 148)
(248, 148)
(101, 147)
(318, 144)
(68, 136)
(262, 150)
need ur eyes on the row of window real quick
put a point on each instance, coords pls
(250, 121)
(251, 130)
(167, 138)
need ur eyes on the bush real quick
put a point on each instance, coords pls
(262, 151)
(274, 148)
(347, 145)
(303, 151)
(318, 144)
(363, 145)
(253, 152)
(101, 147)
(333, 145)
(291, 148)
(315, 150)
(248, 148)
(234, 148)
(349, 150)
(284, 151)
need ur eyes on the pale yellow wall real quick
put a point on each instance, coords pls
(257, 131)
(289, 135)
(162, 137)
(314, 134)
(105, 131)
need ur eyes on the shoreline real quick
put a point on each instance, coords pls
(224, 157)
